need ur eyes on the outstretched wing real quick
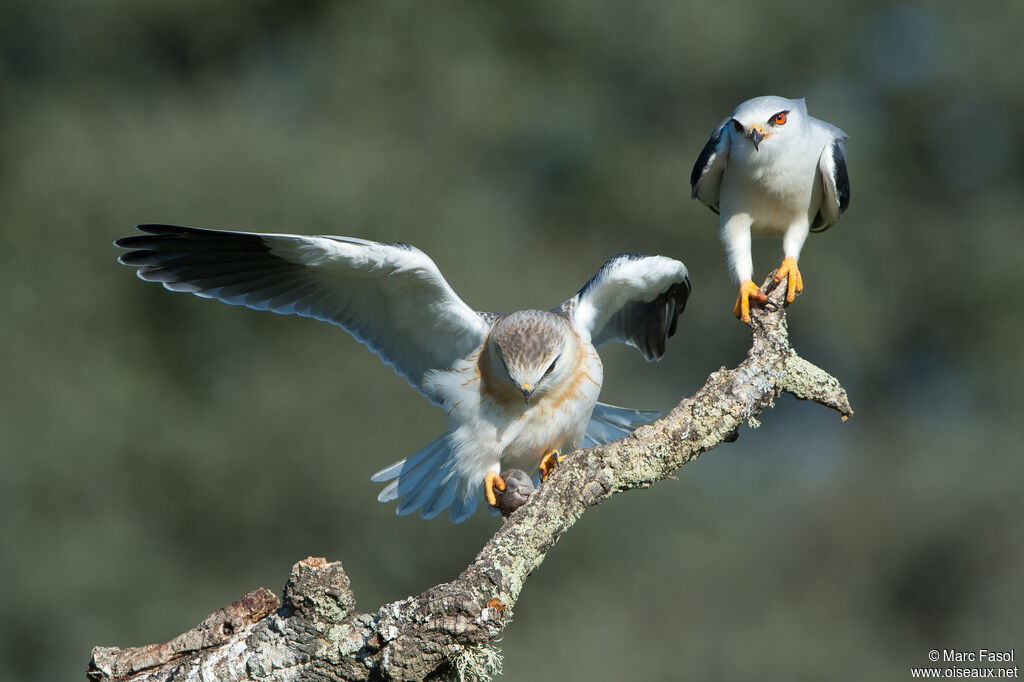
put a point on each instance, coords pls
(835, 182)
(389, 296)
(633, 299)
(706, 177)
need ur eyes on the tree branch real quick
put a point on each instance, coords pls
(447, 631)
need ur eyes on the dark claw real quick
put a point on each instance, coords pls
(518, 488)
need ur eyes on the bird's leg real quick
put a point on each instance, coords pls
(792, 243)
(548, 463)
(492, 481)
(736, 237)
(795, 283)
(748, 290)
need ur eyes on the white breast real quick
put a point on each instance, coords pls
(777, 185)
(555, 421)
(491, 436)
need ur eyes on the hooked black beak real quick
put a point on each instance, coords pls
(527, 390)
(756, 135)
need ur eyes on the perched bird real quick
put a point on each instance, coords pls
(770, 169)
(518, 389)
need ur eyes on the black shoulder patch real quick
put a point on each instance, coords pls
(842, 177)
(705, 157)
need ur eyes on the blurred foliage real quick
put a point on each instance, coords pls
(158, 449)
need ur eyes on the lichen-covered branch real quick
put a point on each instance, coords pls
(447, 631)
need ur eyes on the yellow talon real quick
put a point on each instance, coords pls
(747, 290)
(547, 464)
(492, 481)
(789, 270)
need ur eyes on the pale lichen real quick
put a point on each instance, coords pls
(474, 664)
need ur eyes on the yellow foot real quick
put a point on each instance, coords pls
(547, 464)
(789, 270)
(492, 481)
(748, 290)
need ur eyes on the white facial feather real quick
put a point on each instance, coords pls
(526, 343)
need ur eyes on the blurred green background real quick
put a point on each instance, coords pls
(162, 455)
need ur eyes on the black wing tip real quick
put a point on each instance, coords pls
(135, 241)
(678, 296)
(151, 230)
(164, 228)
(168, 230)
(682, 295)
(682, 291)
(161, 244)
(160, 236)
(842, 176)
(674, 299)
(135, 258)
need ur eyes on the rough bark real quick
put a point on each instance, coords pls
(447, 632)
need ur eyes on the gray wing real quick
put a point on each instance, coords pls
(633, 299)
(835, 183)
(390, 297)
(706, 177)
(608, 423)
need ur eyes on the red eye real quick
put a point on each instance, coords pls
(779, 118)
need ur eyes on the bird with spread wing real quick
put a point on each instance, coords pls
(519, 389)
(771, 169)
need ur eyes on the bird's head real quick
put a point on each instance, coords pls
(533, 351)
(767, 120)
